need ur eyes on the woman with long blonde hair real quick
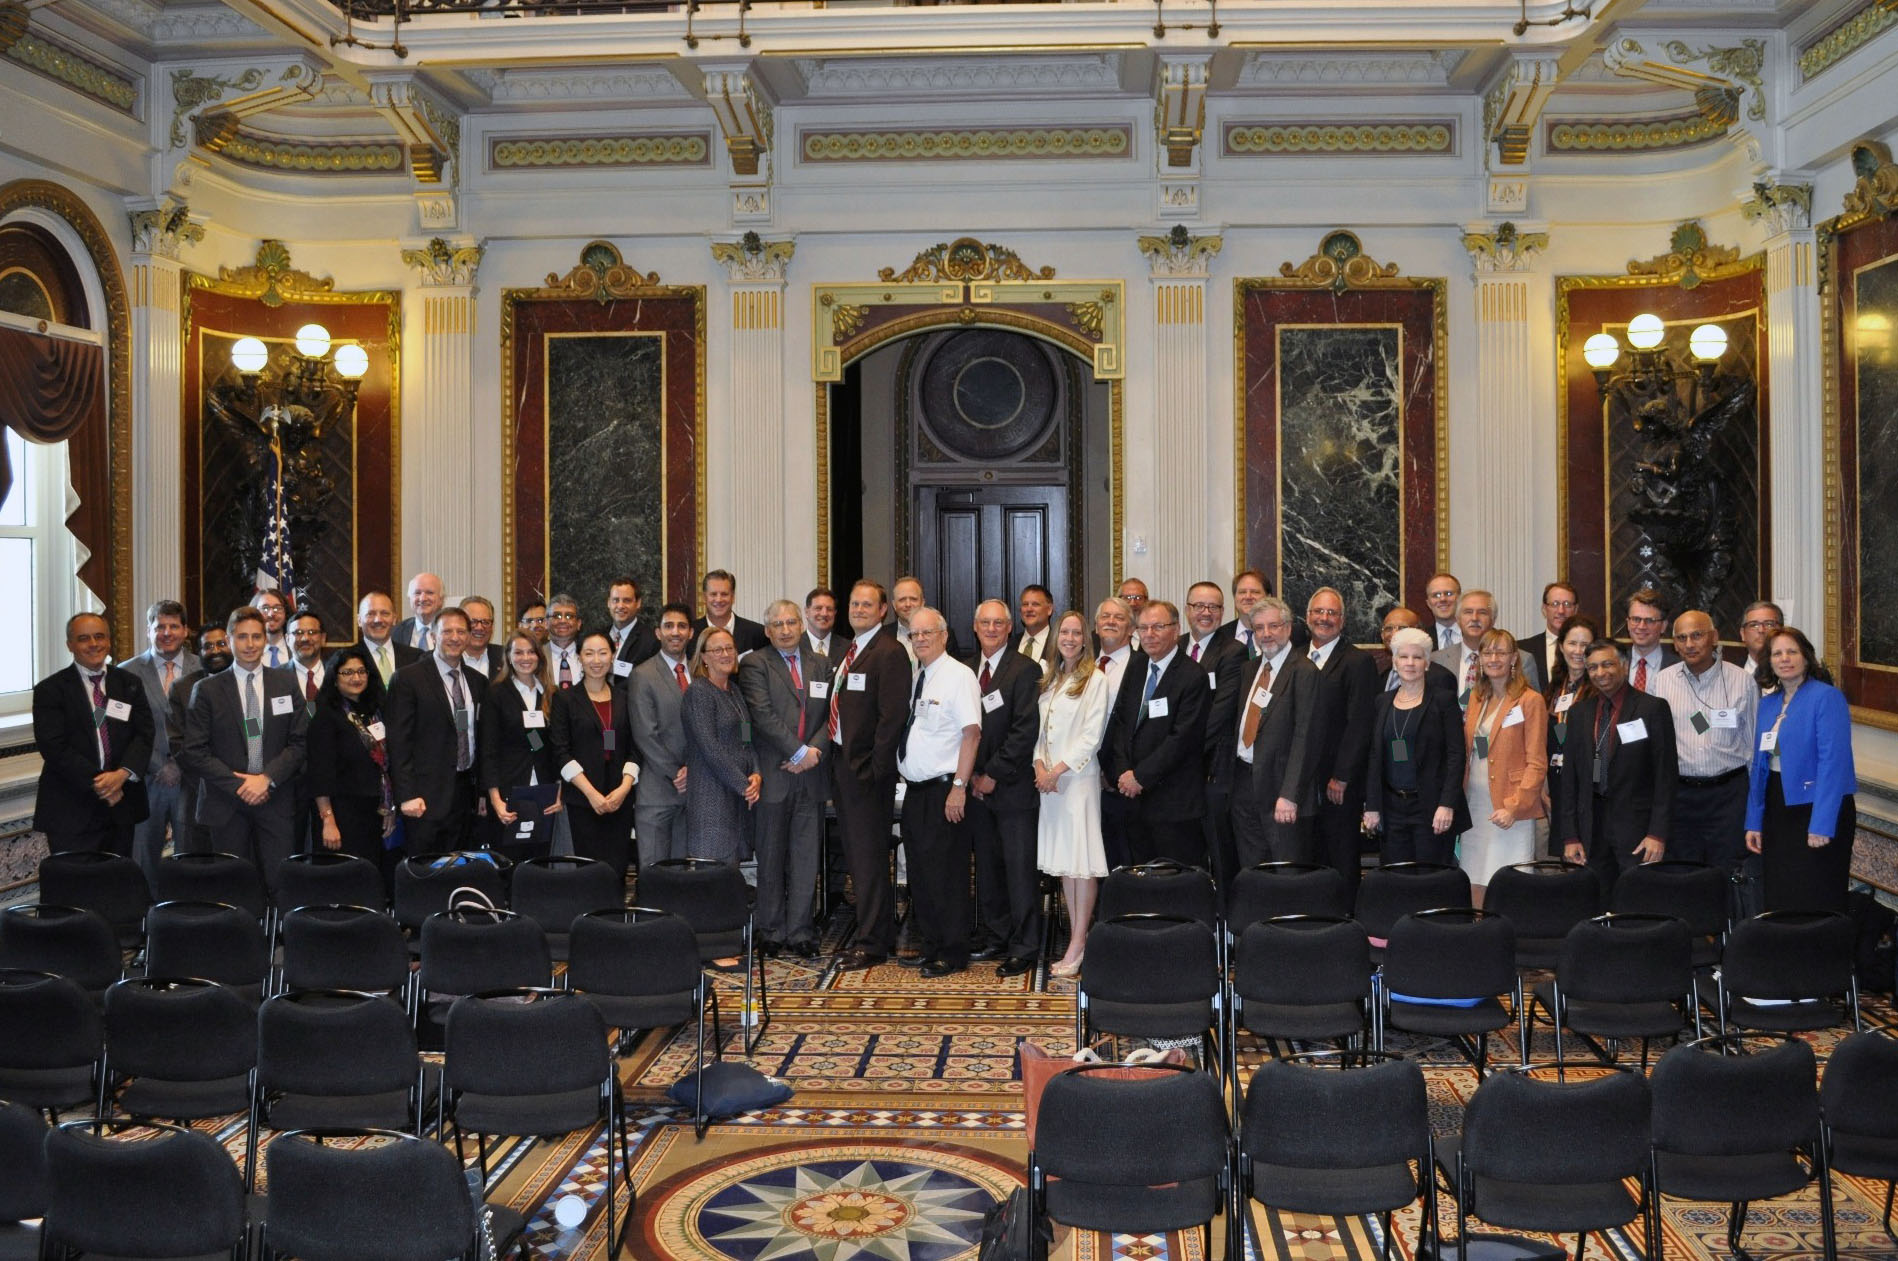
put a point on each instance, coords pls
(1068, 773)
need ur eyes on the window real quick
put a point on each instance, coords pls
(37, 562)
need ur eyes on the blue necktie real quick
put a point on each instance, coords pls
(1146, 697)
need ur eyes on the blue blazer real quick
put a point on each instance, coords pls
(1815, 755)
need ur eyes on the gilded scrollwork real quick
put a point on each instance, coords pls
(1180, 253)
(443, 264)
(271, 279)
(1340, 264)
(189, 91)
(845, 320)
(1089, 317)
(752, 258)
(1876, 192)
(965, 259)
(602, 275)
(1689, 258)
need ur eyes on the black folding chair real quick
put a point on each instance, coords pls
(1621, 975)
(123, 1187)
(1789, 972)
(1299, 978)
(1443, 970)
(1859, 1100)
(224, 878)
(188, 1048)
(554, 891)
(715, 900)
(110, 884)
(23, 1190)
(69, 941)
(1151, 976)
(51, 1041)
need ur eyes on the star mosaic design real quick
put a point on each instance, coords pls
(862, 1210)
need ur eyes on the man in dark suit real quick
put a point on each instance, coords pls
(1558, 606)
(1223, 659)
(425, 606)
(244, 741)
(214, 657)
(93, 725)
(1648, 651)
(1620, 773)
(432, 714)
(1341, 734)
(720, 590)
(1434, 676)
(159, 668)
(633, 640)
(1248, 588)
(375, 620)
(787, 692)
(1274, 794)
(655, 690)
(906, 598)
(869, 699)
(482, 653)
(1037, 630)
(1003, 804)
(1158, 733)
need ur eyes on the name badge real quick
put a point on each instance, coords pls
(533, 719)
(1769, 740)
(461, 720)
(378, 732)
(857, 682)
(526, 832)
(1482, 745)
(119, 710)
(1212, 680)
(1632, 732)
(1563, 702)
(609, 740)
(282, 704)
(1513, 718)
(534, 742)
(1156, 708)
(622, 668)
(1555, 761)
(1261, 696)
(991, 701)
(1725, 719)
(1400, 749)
(820, 689)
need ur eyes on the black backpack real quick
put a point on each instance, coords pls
(1009, 1234)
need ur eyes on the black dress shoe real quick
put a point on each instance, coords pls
(804, 949)
(770, 949)
(911, 961)
(986, 950)
(1016, 966)
(858, 960)
(942, 967)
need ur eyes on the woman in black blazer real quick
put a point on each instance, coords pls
(1568, 687)
(516, 750)
(1414, 788)
(348, 765)
(592, 737)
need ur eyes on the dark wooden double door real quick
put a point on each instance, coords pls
(974, 543)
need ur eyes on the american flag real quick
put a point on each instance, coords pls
(275, 571)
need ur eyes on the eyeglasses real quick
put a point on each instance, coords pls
(720, 650)
(480, 621)
(534, 621)
(1147, 628)
(1633, 620)
(1758, 625)
(923, 634)
(306, 634)
(1217, 606)
(564, 617)
(783, 623)
(357, 673)
(1559, 604)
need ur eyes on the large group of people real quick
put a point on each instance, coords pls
(1059, 744)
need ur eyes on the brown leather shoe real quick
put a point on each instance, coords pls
(858, 960)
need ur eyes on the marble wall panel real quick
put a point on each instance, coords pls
(1341, 455)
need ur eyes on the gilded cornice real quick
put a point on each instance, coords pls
(1341, 264)
(1506, 249)
(1242, 138)
(1622, 135)
(1689, 259)
(1180, 254)
(752, 259)
(987, 144)
(1845, 38)
(601, 274)
(963, 261)
(1744, 63)
(62, 63)
(443, 265)
(189, 91)
(1876, 192)
(301, 157)
(515, 153)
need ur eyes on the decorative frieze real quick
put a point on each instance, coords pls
(961, 144)
(1243, 138)
(846, 77)
(1845, 37)
(1396, 69)
(340, 157)
(62, 63)
(1622, 135)
(636, 149)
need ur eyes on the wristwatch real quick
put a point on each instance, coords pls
(958, 782)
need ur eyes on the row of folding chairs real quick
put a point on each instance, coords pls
(1347, 1133)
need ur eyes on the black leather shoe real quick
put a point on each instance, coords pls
(770, 949)
(1016, 966)
(911, 961)
(986, 950)
(805, 949)
(858, 960)
(942, 967)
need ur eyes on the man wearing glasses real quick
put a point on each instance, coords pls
(1558, 606)
(1647, 654)
(533, 620)
(1158, 737)
(482, 653)
(563, 640)
(1757, 624)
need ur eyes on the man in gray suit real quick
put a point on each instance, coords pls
(244, 742)
(657, 684)
(158, 668)
(1475, 616)
(786, 687)
(1273, 745)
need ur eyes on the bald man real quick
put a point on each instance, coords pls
(425, 605)
(1714, 704)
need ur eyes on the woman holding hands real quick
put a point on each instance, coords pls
(1068, 773)
(1414, 789)
(592, 737)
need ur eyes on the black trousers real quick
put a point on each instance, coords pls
(1117, 813)
(1710, 823)
(259, 833)
(1257, 836)
(1216, 827)
(607, 837)
(1797, 876)
(865, 809)
(1152, 834)
(1338, 831)
(1007, 879)
(1607, 861)
(938, 853)
(110, 836)
(450, 829)
(1407, 834)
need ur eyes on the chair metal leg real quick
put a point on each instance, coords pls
(1657, 1243)
(1523, 1016)
(1891, 1188)
(1736, 1223)
(1828, 1226)
(1581, 1246)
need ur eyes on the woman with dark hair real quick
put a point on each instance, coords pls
(515, 749)
(1568, 687)
(591, 731)
(348, 765)
(722, 769)
(1800, 813)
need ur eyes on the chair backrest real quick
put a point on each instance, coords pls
(525, 1042)
(1451, 953)
(68, 940)
(1524, 1130)
(110, 884)
(711, 896)
(554, 891)
(1711, 1104)
(334, 1197)
(1150, 959)
(210, 878)
(1790, 954)
(1131, 1133)
(343, 948)
(178, 1029)
(46, 1022)
(327, 878)
(1268, 890)
(1860, 1089)
(1388, 893)
(1160, 887)
(424, 882)
(1626, 957)
(1690, 891)
(23, 1156)
(1543, 900)
(633, 952)
(1303, 959)
(467, 952)
(213, 940)
(1318, 1118)
(334, 1042)
(139, 1188)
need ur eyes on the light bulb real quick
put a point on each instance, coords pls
(249, 354)
(1601, 350)
(1708, 342)
(313, 341)
(351, 361)
(1645, 332)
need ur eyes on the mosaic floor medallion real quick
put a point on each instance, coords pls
(845, 1200)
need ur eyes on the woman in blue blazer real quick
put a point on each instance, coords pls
(1800, 815)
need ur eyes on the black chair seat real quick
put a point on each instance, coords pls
(1108, 1206)
(1308, 1023)
(185, 1100)
(1864, 1157)
(1441, 1021)
(1799, 1016)
(1615, 1020)
(1759, 1176)
(48, 1087)
(1334, 1192)
(387, 1109)
(1151, 1020)
(645, 1011)
(1554, 1208)
(528, 1114)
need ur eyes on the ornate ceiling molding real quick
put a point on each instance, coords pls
(1876, 192)
(1731, 85)
(753, 260)
(1341, 264)
(634, 149)
(601, 274)
(961, 144)
(260, 89)
(441, 265)
(59, 61)
(1179, 254)
(220, 134)
(964, 260)
(1310, 137)
(857, 77)
(1305, 71)
(1845, 37)
(271, 279)
(1622, 135)
(1179, 108)
(1511, 108)
(1689, 259)
(578, 84)
(429, 131)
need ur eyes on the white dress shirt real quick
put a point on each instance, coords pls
(443, 669)
(1652, 656)
(1321, 655)
(1116, 670)
(1277, 662)
(950, 702)
(1723, 687)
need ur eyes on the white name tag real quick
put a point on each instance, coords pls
(1563, 702)
(118, 709)
(857, 682)
(533, 719)
(1630, 732)
(622, 668)
(1261, 697)
(1769, 740)
(1728, 719)
(1212, 681)
(820, 690)
(991, 701)
(282, 704)
(1513, 718)
(378, 732)
(1156, 708)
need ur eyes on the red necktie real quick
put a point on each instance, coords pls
(836, 692)
(1195, 651)
(1102, 664)
(988, 680)
(105, 733)
(1641, 675)
(679, 670)
(309, 685)
(797, 685)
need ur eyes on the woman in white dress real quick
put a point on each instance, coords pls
(1505, 735)
(1068, 773)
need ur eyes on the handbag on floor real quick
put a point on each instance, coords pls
(1009, 1233)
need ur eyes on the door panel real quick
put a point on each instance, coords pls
(981, 542)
